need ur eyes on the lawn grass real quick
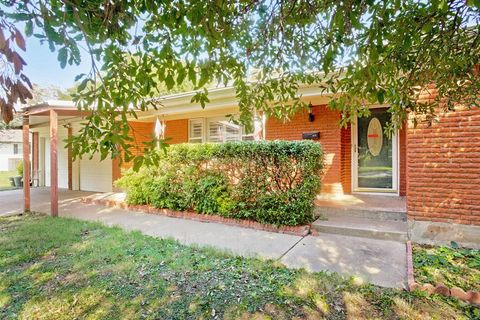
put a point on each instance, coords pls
(454, 267)
(58, 268)
(4, 179)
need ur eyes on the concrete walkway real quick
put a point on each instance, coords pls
(377, 261)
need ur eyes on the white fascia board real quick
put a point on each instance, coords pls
(61, 103)
(220, 98)
(53, 104)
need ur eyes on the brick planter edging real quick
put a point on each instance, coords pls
(302, 230)
(470, 296)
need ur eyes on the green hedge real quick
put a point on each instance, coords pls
(269, 181)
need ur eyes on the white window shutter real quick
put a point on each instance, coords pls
(195, 131)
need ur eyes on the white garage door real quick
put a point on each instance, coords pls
(62, 158)
(96, 175)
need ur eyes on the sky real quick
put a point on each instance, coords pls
(43, 68)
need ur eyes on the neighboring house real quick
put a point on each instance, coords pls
(434, 165)
(11, 149)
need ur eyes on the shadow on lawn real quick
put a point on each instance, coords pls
(65, 268)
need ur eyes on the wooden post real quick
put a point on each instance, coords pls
(53, 163)
(69, 151)
(26, 163)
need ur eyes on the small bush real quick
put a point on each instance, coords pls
(139, 186)
(212, 194)
(19, 168)
(269, 181)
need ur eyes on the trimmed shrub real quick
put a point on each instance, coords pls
(139, 186)
(267, 181)
(211, 194)
(19, 168)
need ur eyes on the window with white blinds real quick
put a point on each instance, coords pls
(221, 130)
(195, 134)
(216, 130)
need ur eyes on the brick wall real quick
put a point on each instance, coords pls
(326, 121)
(403, 160)
(116, 171)
(443, 169)
(346, 159)
(140, 132)
(177, 131)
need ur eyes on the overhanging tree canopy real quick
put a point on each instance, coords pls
(362, 51)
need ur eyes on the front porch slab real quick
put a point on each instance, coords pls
(373, 207)
(368, 202)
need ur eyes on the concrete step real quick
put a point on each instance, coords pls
(377, 214)
(362, 227)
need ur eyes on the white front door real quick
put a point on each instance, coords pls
(374, 154)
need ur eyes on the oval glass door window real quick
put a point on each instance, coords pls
(375, 152)
(375, 137)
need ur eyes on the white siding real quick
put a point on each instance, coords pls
(95, 175)
(8, 159)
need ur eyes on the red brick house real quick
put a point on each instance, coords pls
(434, 166)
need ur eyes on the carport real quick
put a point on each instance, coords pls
(46, 115)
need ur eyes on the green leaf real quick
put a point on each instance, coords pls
(18, 16)
(137, 163)
(381, 96)
(192, 75)
(29, 28)
(182, 73)
(169, 81)
(62, 57)
(82, 85)
(204, 77)
(51, 45)
(79, 76)
(427, 27)
(443, 5)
